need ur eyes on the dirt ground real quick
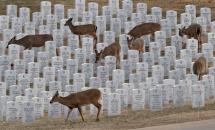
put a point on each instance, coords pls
(128, 119)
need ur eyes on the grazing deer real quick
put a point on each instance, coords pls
(195, 31)
(137, 44)
(111, 50)
(76, 100)
(87, 29)
(144, 29)
(30, 41)
(200, 67)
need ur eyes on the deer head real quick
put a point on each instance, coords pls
(54, 98)
(130, 40)
(181, 31)
(98, 55)
(12, 41)
(68, 22)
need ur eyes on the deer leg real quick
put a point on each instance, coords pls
(199, 76)
(98, 105)
(95, 39)
(80, 43)
(30, 47)
(199, 43)
(199, 46)
(79, 36)
(152, 36)
(69, 111)
(117, 61)
(79, 109)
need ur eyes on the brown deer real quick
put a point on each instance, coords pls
(30, 41)
(137, 44)
(111, 50)
(144, 29)
(87, 29)
(195, 31)
(76, 100)
(200, 67)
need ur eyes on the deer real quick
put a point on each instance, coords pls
(87, 29)
(144, 29)
(195, 31)
(200, 67)
(111, 50)
(79, 99)
(137, 44)
(30, 41)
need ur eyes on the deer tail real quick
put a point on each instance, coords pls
(100, 98)
(199, 32)
(195, 68)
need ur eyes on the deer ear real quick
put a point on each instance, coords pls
(100, 52)
(96, 51)
(132, 38)
(70, 19)
(56, 94)
(129, 38)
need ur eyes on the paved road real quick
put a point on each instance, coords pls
(197, 125)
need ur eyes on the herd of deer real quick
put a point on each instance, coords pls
(135, 42)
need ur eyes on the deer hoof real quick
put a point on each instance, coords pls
(97, 119)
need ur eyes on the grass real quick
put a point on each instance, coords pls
(127, 120)
(177, 5)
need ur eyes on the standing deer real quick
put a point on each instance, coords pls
(195, 31)
(200, 67)
(76, 100)
(87, 29)
(111, 50)
(144, 29)
(30, 41)
(137, 44)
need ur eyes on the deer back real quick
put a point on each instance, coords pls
(111, 50)
(137, 44)
(197, 68)
(151, 27)
(35, 40)
(85, 29)
(144, 29)
(39, 40)
(200, 66)
(194, 30)
(84, 97)
(204, 63)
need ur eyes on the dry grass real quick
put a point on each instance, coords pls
(177, 5)
(127, 120)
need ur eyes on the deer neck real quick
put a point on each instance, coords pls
(186, 31)
(129, 44)
(63, 101)
(18, 42)
(72, 27)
